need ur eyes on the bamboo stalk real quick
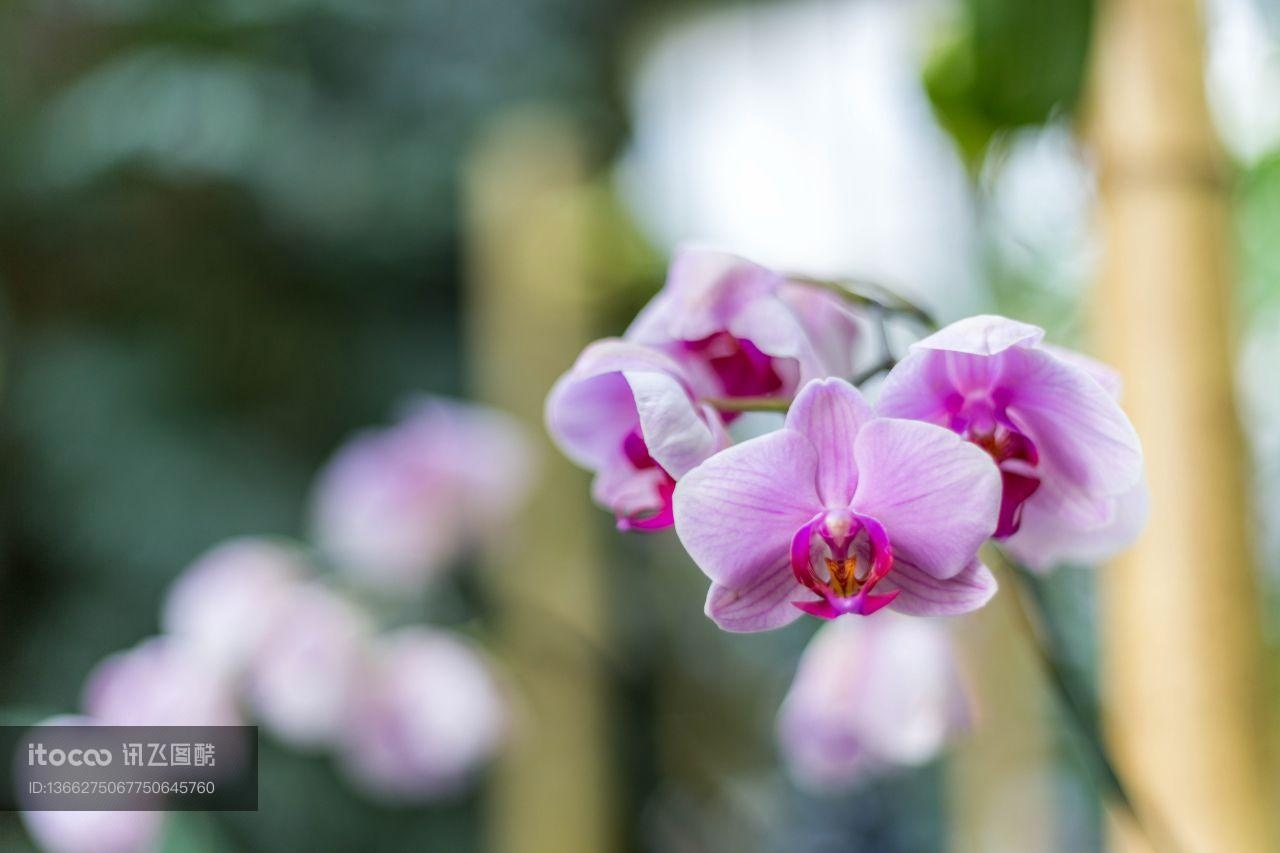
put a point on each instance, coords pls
(528, 257)
(1183, 675)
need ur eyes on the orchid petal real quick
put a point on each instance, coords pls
(588, 419)
(1045, 540)
(675, 430)
(1084, 438)
(592, 407)
(614, 390)
(917, 388)
(629, 491)
(829, 412)
(836, 333)
(937, 495)
(1105, 375)
(921, 594)
(985, 334)
(705, 288)
(762, 606)
(736, 513)
(709, 292)
(869, 695)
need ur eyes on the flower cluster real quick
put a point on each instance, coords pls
(253, 631)
(980, 431)
(852, 505)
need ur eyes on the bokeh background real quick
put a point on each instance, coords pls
(232, 232)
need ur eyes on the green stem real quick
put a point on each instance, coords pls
(748, 404)
(868, 294)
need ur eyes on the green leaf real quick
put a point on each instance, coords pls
(1008, 64)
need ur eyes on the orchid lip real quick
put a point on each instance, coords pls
(1014, 453)
(850, 577)
(637, 454)
(739, 367)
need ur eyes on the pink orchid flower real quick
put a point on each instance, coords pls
(628, 413)
(230, 596)
(871, 695)
(302, 673)
(396, 506)
(742, 330)
(424, 714)
(835, 505)
(162, 681)
(1070, 461)
(93, 831)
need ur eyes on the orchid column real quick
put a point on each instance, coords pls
(1184, 678)
(528, 257)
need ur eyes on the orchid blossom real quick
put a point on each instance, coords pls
(629, 413)
(424, 714)
(223, 604)
(742, 330)
(1070, 462)
(65, 831)
(839, 512)
(395, 506)
(871, 695)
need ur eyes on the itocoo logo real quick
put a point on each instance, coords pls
(38, 755)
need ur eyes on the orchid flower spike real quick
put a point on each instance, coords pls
(1070, 462)
(840, 512)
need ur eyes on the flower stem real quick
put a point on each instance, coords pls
(1076, 699)
(868, 294)
(748, 404)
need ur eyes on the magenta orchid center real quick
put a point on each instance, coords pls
(855, 555)
(984, 420)
(637, 453)
(737, 366)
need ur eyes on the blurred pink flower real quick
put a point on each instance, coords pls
(394, 506)
(300, 679)
(628, 413)
(837, 503)
(425, 714)
(159, 682)
(1048, 417)
(222, 605)
(92, 831)
(741, 330)
(95, 832)
(869, 695)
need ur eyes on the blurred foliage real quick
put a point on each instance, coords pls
(1257, 207)
(1007, 64)
(228, 237)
